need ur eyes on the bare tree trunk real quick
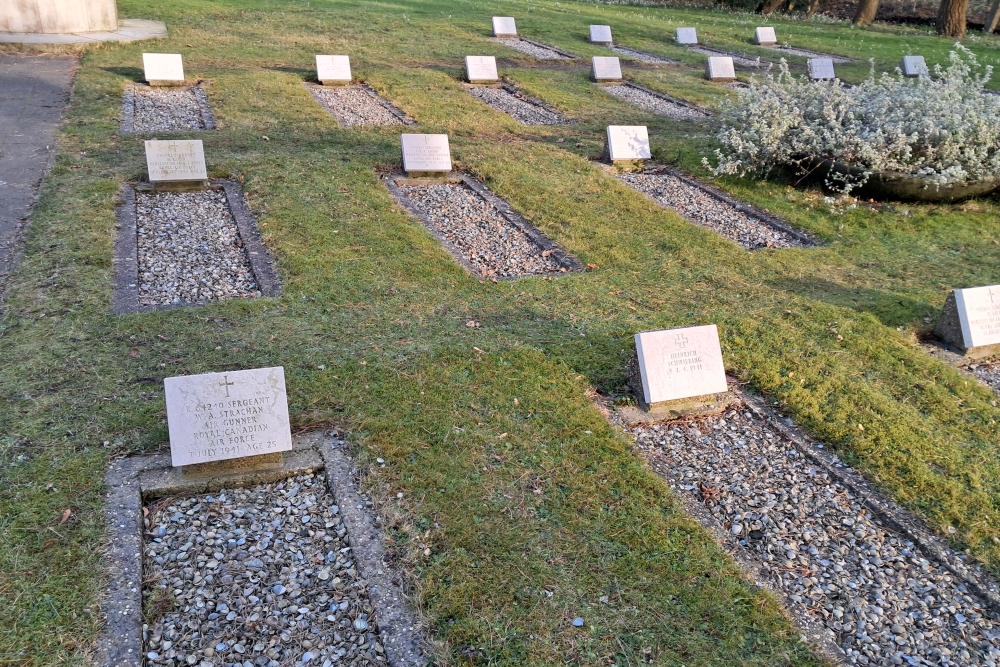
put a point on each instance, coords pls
(770, 6)
(951, 18)
(814, 7)
(992, 18)
(867, 9)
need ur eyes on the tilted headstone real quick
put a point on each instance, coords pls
(222, 416)
(628, 142)
(425, 153)
(821, 68)
(681, 363)
(914, 66)
(175, 161)
(600, 34)
(720, 68)
(481, 69)
(606, 68)
(163, 69)
(504, 26)
(333, 70)
(971, 319)
(687, 36)
(765, 36)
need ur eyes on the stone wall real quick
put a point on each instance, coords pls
(58, 16)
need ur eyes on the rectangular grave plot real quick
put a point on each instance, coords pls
(525, 110)
(150, 110)
(358, 106)
(739, 61)
(202, 570)
(806, 53)
(642, 56)
(188, 248)
(709, 207)
(658, 103)
(481, 230)
(535, 49)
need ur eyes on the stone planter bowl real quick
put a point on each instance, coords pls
(901, 187)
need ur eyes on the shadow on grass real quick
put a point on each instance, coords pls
(891, 309)
(132, 73)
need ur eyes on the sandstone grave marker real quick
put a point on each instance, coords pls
(821, 68)
(176, 161)
(765, 36)
(425, 153)
(222, 416)
(628, 143)
(333, 70)
(682, 363)
(971, 320)
(481, 69)
(163, 69)
(687, 36)
(504, 26)
(914, 66)
(606, 68)
(720, 68)
(600, 34)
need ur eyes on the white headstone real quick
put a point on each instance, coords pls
(979, 312)
(765, 36)
(504, 26)
(163, 67)
(720, 68)
(600, 34)
(425, 152)
(914, 66)
(628, 142)
(175, 160)
(333, 69)
(219, 416)
(821, 68)
(687, 36)
(479, 69)
(680, 363)
(607, 68)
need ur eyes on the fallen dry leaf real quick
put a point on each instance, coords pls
(134, 352)
(67, 513)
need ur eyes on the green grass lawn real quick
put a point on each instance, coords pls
(533, 507)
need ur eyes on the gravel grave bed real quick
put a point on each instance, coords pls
(483, 238)
(812, 54)
(517, 106)
(355, 106)
(167, 109)
(737, 59)
(654, 103)
(707, 211)
(873, 592)
(988, 373)
(642, 56)
(539, 52)
(190, 250)
(256, 577)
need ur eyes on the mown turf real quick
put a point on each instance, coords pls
(532, 507)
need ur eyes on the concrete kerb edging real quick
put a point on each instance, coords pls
(566, 260)
(313, 88)
(126, 260)
(127, 125)
(131, 480)
(509, 87)
(667, 98)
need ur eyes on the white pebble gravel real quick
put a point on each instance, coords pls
(168, 109)
(263, 576)
(355, 106)
(493, 245)
(703, 209)
(789, 50)
(988, 373)
(877, 596)
(642, 56)
(539, 52)
(653, 103)
(189, 249)
(737, 59)
(517, 106)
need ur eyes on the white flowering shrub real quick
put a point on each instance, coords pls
(941, 127)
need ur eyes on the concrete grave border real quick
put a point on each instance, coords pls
(566, 260)
(389, 106)
(131, 480)
(667, 98)
(513, 90)
(127, 125)
(126, 259)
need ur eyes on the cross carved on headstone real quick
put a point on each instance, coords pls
(227, 384)
(681, 341)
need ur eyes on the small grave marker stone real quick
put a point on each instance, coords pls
(481, 69)
(600, 34)
(687, 36)
(821, 68)
(177, 161)
(971, 320)
(333, 70)
(504, 26)
(720, 68)
(425, 153)
(628, 143)
(914, 66)
(677, 364)
(765, 36)
(606, 68)
(163, 69)
(223, 416)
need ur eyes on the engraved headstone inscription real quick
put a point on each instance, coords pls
(914, 66)
(687, 36)
(765, 36)
(221, 416)
(628, 143)
(481, 69)
(720, 68)
(163, 69)
(504, 26)
(425, 153)
(600, 34)
(971, 318)
(680, 363)
(333, 70)
(606, 68)
(176, 160)
(821, 68)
